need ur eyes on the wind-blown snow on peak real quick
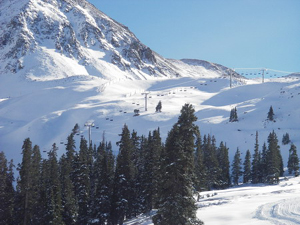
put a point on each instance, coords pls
(60, 38)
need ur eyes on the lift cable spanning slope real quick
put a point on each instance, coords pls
(266, 69)
(260, 71)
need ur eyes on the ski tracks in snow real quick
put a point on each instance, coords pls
(283, 212)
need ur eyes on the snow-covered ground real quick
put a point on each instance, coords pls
(248, 205)
(46, 111)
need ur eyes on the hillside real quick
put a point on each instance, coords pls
(66, 62)
(46, 111)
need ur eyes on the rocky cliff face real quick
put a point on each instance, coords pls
(76, 30)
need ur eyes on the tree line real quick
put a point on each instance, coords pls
(93, 186)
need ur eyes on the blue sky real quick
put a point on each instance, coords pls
(234, 33)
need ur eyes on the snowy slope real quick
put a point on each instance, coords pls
(247, 205)
(46, 111)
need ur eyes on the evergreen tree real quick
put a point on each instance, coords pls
(233, 115)
(83, 181)
(6, 191)
(224, 166)
(293, 162)
(101, 199)
(263, 165)
(211, 162)
(271, 114)
(274, 159)
(53, 189)
(76, 129)
(236, 167)
(255, 169)
(151, 150)
(247, 167)
(122, 187)
(36, 164)
(286, 139)
(158, 107)
(24, 198)
(177, 205)
(67, 165)
(69, 200)
(200, 168)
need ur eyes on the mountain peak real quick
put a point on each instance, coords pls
(38, 37)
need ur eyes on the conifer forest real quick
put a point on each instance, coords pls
(91, 185)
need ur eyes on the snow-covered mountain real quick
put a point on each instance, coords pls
(64, 62)
(38, 38)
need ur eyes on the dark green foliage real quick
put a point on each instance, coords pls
(76, 129)
(200, 168)
(274, 164)
(286, 139)
(256, 163)
(123, 180)
(36, 164)
(293, 162)
(82, 184)
(158, 107)
(177, 205)
(233, 115)
(224, 167)
(25, 195)
(271, 114)
(149, 170)
(247, 168)
(236, 167)
(103, 186)
(211, 162)
(263, 164)
(6, 191)
(53, 192)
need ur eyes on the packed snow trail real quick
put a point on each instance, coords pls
(283, 212)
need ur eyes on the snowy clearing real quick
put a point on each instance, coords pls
(248, 205)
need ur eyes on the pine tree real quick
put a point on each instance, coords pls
(53, 192)
(151, 149)
(36, 183)
(211, 162)
(247, 167)
(224, 166)
(177, 205)
(255, 169)
(263, 165)
(271, 114)
(274, 159)
(6, 190)
(24, 198)
(286, 139)
(236, 167)
(69, 200)
(122, 187)
(158, 107)
(200, 169)
(101, 198)
(293, 162)
(82, 185)
(233, 115)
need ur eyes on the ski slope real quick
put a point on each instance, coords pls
(248, 205)
(46, 111)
